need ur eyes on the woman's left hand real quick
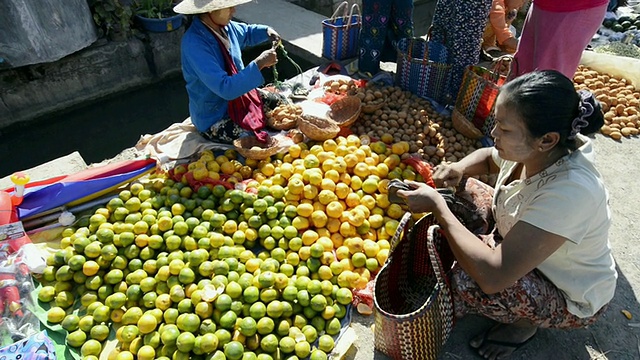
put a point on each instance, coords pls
(421, 198)
(275, 37)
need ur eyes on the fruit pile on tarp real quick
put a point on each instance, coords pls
(254, 260)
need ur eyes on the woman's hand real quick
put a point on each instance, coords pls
(266, 59)
(447, 175)
(274, 36)
(421, 198)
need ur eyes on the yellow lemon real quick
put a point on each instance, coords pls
(354, 244)
(304, 209)
(333, 225)
(382, 201)
(327, 196)
(334, 209)
(368, 201)
(376, 221)
(310, 192)
(382, 256)
(352, 200)
(309, 237)
(328, 184)
(337, 240)
(319, 219)
(370, 185)
(295, 151)
(342, 253)
(300, 223)
(351, 160)
(330, 145)
(324, 156)
(394, 211)
(346, 229)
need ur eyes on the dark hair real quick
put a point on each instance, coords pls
(548, 102)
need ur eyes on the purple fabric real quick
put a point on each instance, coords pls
(556, 40)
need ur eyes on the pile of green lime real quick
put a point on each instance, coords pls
(177, 273)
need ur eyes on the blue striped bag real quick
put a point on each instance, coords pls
(423, 69)
(340, 34)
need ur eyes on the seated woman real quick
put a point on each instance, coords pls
(223, 102)
(548, 263)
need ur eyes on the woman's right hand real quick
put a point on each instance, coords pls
(447, 175)
(266, 59)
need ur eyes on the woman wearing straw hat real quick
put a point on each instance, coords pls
(223, 100)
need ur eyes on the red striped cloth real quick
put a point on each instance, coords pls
(245, 110)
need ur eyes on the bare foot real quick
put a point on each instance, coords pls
(502, 340)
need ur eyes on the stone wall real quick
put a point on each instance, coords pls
(102, 69)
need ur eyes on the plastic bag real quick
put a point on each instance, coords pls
(625, 67)
(16, 285)
(36, 347)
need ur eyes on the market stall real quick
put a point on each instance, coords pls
(251, 251)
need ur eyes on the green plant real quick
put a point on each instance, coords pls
(112, 18)
(154, 8)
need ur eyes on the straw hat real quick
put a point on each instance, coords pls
(204, 6)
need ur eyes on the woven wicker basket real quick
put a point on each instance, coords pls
(346, 111)
(286, 124)
(251, 148)
(464, 126)
(319, 129)
(414, 306)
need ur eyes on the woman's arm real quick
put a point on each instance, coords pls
(479, 162)
(208, 64)
(251, 34)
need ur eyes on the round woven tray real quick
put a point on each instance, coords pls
(286, 124)
(464, 126)
(345, 111)
(319, 129)
(251, 148)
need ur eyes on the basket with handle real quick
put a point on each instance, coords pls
(422, 68)
(476, 99)
(464, 126)
(413, 301)
(340, 34)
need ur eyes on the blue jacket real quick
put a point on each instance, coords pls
(208, 84)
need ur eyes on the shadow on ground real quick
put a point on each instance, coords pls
(610, 337)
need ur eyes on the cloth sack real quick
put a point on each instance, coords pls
(340, 34)
(422, 68)
(477, 96)
(245, 110)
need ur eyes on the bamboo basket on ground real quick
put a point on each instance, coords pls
(346, 111)
(317, 128)
(251, 148)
